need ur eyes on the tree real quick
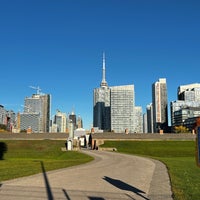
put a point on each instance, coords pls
(181, 129)
(3, 128)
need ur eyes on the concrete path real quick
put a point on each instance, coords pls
(110, 176)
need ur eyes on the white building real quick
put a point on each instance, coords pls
(38, 104)
(122, 108)
(138, 119)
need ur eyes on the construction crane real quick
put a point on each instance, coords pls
(36, 88)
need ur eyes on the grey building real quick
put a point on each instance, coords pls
(145, 128)
(2, 115)
(60, 120)
(101, 103)
(189, 92)
(72, 119)
(149, 110)
(122, 108)
(113, 107)
(185, 110)
(138, 119)
(79, 122)
(160, 105)
(30, 121)
(38, 104)
(7, 118)
(178, 105)
(185, 116)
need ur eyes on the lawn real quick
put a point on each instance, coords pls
(179, 157)
(24, 157)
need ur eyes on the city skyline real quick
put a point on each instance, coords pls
(59, 47)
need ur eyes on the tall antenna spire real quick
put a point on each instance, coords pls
(103, 82)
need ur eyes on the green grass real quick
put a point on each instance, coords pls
(24, 157)
(179, 157)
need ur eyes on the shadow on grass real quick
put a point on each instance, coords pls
(3, 149)
(124, 186)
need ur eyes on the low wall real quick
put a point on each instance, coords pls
(144, 136)
(34, 136)
(98, 136)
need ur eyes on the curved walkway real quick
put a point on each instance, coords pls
(110, 176)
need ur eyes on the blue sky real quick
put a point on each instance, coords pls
(58, 46)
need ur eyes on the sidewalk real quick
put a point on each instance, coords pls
(110, 176)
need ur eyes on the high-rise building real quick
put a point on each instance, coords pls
(180, 104)
(60, 120)
(145, 127)
(138, 119)
(149, 109)
(38, 104)
(72, 119)
(184, 114)
(101, 102)
(114, 107)
(2, 115)
(30, 121)
(79, 122)
(186, 108)
(7, 118)
(190, 92)
(160, 105)
(122, 108)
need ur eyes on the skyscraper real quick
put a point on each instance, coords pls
(60, 120)
(138, 119)
(72, 118)
(160, 105)
(188, 103)
(114, 106)
(39, 105)
(79, 122)
(101, 102)
(122, 108)
(149, 110)
(190, 92)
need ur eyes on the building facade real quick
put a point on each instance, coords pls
(37, 105)
(145, 127)
(178, 105)
(149, 110)
(138, 119)
(160, 105)
(186, 116)
(185, 110)
(2, 115)
(122, 108)
(72, 119)
(113, 107)
(30, 121)
(60, 120)
(7, 118)
(189, 92)
(79, 122)
(101, 103)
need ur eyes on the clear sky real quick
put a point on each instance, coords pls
(58, 46)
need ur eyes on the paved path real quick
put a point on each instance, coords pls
(110, 176)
